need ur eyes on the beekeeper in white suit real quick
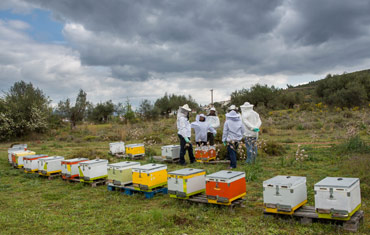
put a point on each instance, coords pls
(214, 121)
(252, 122)
(201, 128)
(184, 133)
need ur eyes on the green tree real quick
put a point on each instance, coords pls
(74, 113)
(147, 110)
(101, 112)
(168, 103)
(346, 90)
(26, 109)
(129, 113)
(257, 94)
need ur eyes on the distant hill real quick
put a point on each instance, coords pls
(345, 90)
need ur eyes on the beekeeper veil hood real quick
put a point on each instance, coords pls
(246, 107)
(183, 111)
(199, 116)
(232, 115)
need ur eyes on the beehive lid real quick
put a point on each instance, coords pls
(19, 146)
(186, 171)
(52, 158)
(337, 182)
(171, 146)
(134, 145)
(45, 158)
(22, 151)
(285, 180)
(205, 148)
(35, 156)
(95, 161)
(149, 167)
(226, 174)
(76, 159)
(124, 164)
(117, 143)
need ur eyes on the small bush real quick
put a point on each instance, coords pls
(90, 138)
(287, 141)
(273, 148)
(222, 152)
(354, 145)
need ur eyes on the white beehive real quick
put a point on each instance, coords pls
(17, 157)
(117, 147)
(171, 152)
(16, 147)
(31, 162)
(93, 169)
(186, 182)
(11, 152)
(70, 167)
(284, 193)
(337, 196)
(50, 165)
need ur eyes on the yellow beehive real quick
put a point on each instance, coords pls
(149, 176)
(17, 158)
(135, 150)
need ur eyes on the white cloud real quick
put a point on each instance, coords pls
(140, 50)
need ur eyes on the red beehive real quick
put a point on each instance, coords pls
(223, 187)
(205, 153)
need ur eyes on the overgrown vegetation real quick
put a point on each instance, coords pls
(335, 148)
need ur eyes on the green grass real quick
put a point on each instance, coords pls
(29, 204)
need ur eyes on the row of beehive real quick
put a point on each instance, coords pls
(169, 152)
(130, 149)
(220, 187)
(334, 197)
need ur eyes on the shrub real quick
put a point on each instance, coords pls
(354, 145)
(90, 138)
(222, 152)
(273, 148)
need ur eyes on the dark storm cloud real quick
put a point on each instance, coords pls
(320, 21)
(203, 37)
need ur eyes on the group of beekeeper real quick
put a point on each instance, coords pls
(238, 126)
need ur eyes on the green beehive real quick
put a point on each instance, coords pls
(121, 173)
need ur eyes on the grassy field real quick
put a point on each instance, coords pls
(29, 204)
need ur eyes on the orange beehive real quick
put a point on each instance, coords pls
(223, 187)
(205, 153)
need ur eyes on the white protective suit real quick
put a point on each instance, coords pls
(214, 121)
(201, 129)
(250, 119)
(183, 124)
(233, 128)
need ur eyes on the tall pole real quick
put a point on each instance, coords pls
(212, 96)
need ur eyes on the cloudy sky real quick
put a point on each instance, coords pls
(114, 49)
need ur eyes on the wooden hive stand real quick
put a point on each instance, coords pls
(202, 198)
(94, 183)
(130, 190)
(307, 214)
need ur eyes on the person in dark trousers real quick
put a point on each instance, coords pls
(232, 135)
(252, 123)
(184, 133)
(201, 128)
(214, 121)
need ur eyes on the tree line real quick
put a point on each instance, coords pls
(25, 109)
(346, 90)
